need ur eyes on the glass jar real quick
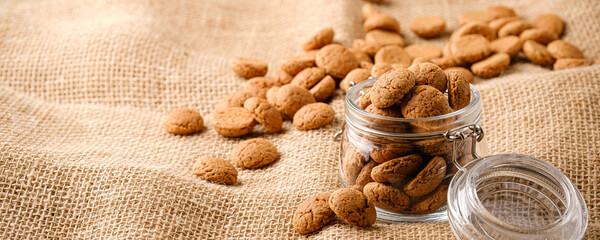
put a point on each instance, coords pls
(383, 148)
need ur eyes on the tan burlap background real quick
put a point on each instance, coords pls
(84, 84)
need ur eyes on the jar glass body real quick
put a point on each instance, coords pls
(374, 149)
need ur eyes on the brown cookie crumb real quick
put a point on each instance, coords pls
(539, 35)
(293, 65)
(537, 53)
(549, 22)
(336, 60)
(391, 87)
(313, 115)
(357, 75)
(313, 214)
(428, 26)
(183, 121)
(384, 38)
(381, 21)
(562, 49)
(386, 197)
(254, 153)
(491, 66)
(321, 38)
(471, 48)
(215, 170)
(429, 74)
(264, 113)
(510, 45)
(233, 121)
(248, 67)
(426, 51)
(353, 207)
(324, 89)
(393, 54)
(308, 77)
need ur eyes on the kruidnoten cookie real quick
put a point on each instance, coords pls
(356, 76)
(384, 38)
(391, 87)
(313, 115)
(293, 65)
(215, 170)
(264, 113)
(324, 89)
(321, 38)
(433, 201)
(254, 153)
(537, 53)
(562, 49)
(550, 22)
(398, 169)
(386, 197)
(308, 77)
(491, 66)
(233, 121)
(470, 48)
(459, 91)
(183, 121)
(353, 207)
(510, 45)
(248, 67)
(313, 214)
(428, 26)
(428, 179)
(336, 60)
(429, 74)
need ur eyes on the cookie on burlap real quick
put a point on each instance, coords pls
(474, 28)
(294, 64)
(390, 151)
(360, 56)
(281, 77)
(253, 153)
(466, 72)
(491, 66)
(426, 51)
(321, 38)
(273, 95)
(364, 176)
(513, 28)
(336, 60)
(433, 201)
(425, 101)
(564, 63)
(308, 77)
(381, 21)
(313, 115)
(183, 121)
(353, 207)
(496, 24)
(428, 179)
(368, 47)
(499, 11)
(215, 170)
(459, 91)
(324, 89)
(542, 36)
(264, 113)
(397, 170)
(537, 53)
(233, 121)
(248, 67)
(393, 111)
(510, 45)
(429, 74)
(470, 48)
(356, 76)
(386, 197)
(393, 54)
(384, 38)
(258, 86)
(290, 98)
(313, 214)
(562, 49)
(474, 16)
(391, 87)
(446, 62)
(428, 26)
(234, 99)
(379, 69)
(368, 11)
(550, 22)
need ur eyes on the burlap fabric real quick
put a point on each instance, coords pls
(84, 84)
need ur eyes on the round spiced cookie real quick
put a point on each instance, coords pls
(183, 121)
(281, 77)
(321, 38)
(324, 89)
(290, 98)
(336, 60)
(215, 170)
(425, 101)
(474, 16)
(562, 49)
(381, 21)
(428, 26)
(353, 163)
(234, 99)
(313, 214)
(426, 51)
(248, 67)
(499, 11)
(537, 53)
(496, 24)
(386, 197)
(564, 63)
(360, 56)
(428, 179)
(258, 86)
(542, 36)
(397, 170)
(293, 65)
(470, 48)
(370, 48)
(313, 115)
(357, 75)
(513, 28)
(491, 66)
(459, 91)
(429, 74)
(253, 153)
(353, 207)
(390, 151)
(364, 176)
(391, 87)
(434, 146)
(393, 54)
(368, 11)
(379, 69)
(393, 111)
(308, 77)
(466, 72)
(510, 45)
(433, 201)
(550, 22)
(233, 121)
(384, 38)
(264, 113)
(474, 28)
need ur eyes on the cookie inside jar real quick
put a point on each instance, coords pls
(393, 146)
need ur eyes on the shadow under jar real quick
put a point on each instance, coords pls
(405, 164)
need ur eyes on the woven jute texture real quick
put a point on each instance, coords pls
(84, 84)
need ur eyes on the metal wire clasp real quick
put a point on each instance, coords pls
(458, 135)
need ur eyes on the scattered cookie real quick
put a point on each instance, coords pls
(499, 11)
(336, 60)
(366, 65)
(398, 169)
(258, 86)
(428, 179)
(313, 214)
(433, 201)
(562, 49)
(391, 87)
(549, 22)
(428, 26)
(419, 60)
(513, 28)
(233, 121)
(429, 74)
(264, 113)
(393, 54)
(183, 121)
(542, 36)
(510, 45)
(313, 115)
(360, 56)
(537, 53)
(380, 68)
(308, 77)
(353, 207)
(470, 48)
(253, 153)
(386, 197)
(446, 62)
(290, 98)
(356, 76)
(459, 91)
(474, 28)
(381, 21)
(365, 46)
(491, 66)
(281, 77)
(293, 65)
(426, 51)
(474, 16)
(496, 24)
(323, 37)
(215, 170)
(564, 63)
(466, 72)
(368, 11)
(384, 38)
(234, 99)
(248, 67)
(324, 89)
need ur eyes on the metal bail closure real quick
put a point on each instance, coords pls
(458, 135)
(338, 135)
